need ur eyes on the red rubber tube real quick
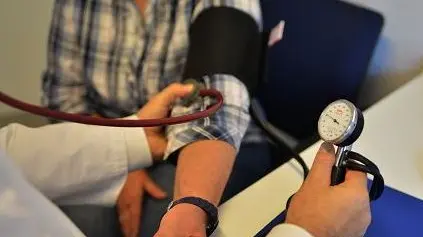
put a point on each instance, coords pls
(115, 122)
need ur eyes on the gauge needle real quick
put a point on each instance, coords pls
(334, 120)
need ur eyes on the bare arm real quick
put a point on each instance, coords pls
(212, 160)
(208, 147)
(204, 167)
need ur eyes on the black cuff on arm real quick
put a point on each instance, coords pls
(225, 40)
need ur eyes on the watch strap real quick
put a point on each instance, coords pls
(206, 206)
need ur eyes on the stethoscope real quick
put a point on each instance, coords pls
(90, 120)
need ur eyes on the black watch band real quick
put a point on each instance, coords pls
(209, 208)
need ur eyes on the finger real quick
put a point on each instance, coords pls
(356, 178)
(130, 216)
(169, 95)
(153, 189)
(124, 220)
(136, 211)
(320, 173)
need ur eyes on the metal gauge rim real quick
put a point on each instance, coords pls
(351, 127)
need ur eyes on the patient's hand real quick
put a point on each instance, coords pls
(130, 200)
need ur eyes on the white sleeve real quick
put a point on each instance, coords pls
(75, 163)
(288, 230)
(24, 211)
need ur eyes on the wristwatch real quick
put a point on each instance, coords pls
(209, 208)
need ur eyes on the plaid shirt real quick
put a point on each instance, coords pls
(105, 57)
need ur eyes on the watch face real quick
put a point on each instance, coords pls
(337, 121)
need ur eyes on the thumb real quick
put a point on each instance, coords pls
(171, 93)
(320, 173)
(153, 189)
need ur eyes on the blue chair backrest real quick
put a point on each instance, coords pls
(324, 56)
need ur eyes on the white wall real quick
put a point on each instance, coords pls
(24, 27)
(23, 33)
(399, 55)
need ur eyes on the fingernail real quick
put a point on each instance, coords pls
(162, 195)
(327, 147)
(189, 87)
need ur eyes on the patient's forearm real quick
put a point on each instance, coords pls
(203, 170)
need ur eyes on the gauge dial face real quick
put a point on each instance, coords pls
(337, 121)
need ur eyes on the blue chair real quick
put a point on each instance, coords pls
(324, 56)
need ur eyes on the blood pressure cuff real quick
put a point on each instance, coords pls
(224, 40)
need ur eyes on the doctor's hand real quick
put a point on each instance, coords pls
(159, 107)
(331, 211)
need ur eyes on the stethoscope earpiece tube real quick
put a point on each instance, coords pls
(90, 120)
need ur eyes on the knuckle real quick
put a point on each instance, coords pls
(364, 195)
(358, 199)
(367, 218)
(298, 197)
